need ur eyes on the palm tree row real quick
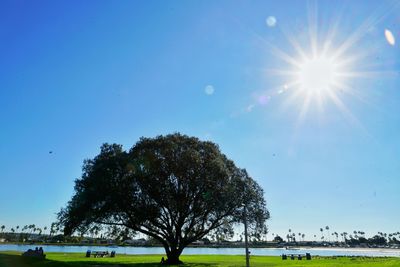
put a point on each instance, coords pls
(328, 237)
(30, 229)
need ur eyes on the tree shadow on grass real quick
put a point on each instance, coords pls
(99, 263)
(15, 260)
(124, 264)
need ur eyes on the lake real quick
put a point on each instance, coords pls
(215, 251)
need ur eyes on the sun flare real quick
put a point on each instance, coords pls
(317, 74)
(325, 65)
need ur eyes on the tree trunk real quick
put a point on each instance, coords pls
(173, 257)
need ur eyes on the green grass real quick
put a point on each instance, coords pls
(13, 259)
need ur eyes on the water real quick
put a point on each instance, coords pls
(215, 251)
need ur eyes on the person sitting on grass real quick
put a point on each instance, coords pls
(38, 253)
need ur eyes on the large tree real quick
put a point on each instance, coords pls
(176, 189)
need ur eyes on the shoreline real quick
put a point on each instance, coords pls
(393, 250)
(210, 247)
(289, 250)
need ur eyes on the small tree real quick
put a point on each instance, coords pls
(278, 239)
(175, 189)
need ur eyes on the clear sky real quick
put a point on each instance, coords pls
(243, 74)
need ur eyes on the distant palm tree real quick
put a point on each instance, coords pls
(2, 228)
(52, 228)
(327, 229)
(322, 232)
(13, 232)
(337, 236)
(390, 237)
(31, 227)
(302, 236)
(345, 236)
(17, 227)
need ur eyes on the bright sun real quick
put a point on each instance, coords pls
(317, 74)
(322, 66)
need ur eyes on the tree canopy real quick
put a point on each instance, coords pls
(174, 188)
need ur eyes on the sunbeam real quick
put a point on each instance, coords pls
(325, 66)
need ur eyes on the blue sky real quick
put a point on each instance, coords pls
(74, 75)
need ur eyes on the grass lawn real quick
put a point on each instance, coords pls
(13, 259)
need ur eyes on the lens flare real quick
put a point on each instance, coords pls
(271, 21)
(209, 90)
(390, 37)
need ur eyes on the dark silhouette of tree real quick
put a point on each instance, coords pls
(377, 240)
(53, 228)
(175, 189)
(336, 234)
(277, 238)
(32, 228)
(327, 229)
